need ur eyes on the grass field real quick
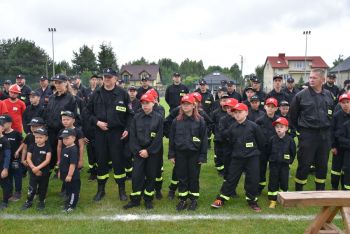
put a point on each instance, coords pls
(91, 217)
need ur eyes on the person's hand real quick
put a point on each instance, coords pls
(80, 164)
(68, 179)
(24, 162)
(334, 151)
(4, 173)
(16, 154)
(102, 125)
(86, 140)
(143, 153)
(35, 170)
(172, 160)
(39, 173)
(124, 135)
(58, 174)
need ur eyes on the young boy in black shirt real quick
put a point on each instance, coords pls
(281, 153)
(15, 171)
(5, 156)
(38, 159)
(68, 169)
(247, 142)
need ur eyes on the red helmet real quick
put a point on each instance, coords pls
(197, 96)
(152, 92)
(15, 88)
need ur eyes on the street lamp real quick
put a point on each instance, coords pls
(52, 30)
(306, 33)
(241, 66)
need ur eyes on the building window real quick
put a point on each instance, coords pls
(126, 78)
(299, 65)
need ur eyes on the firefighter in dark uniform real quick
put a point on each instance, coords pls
(109, 110)
(44, 91)
(290, 89)
(254, 111)
(231, 91)
(207, 101)
(332, 87)
(256, 85)
(216, 115)
(175, 92)
(62, 100)
(145, 86)
(146, 143)
(247, 141)
(33, 110)
(188, 150)
(311, 113)
(265, 123)
(25, 90)
(339, 118)
(277, 91)
(221, 90)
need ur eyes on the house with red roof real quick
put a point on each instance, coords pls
(293, 66)
(132, 74)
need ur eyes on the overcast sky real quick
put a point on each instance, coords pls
(217, 32)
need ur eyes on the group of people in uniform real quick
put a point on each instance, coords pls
(123, 129)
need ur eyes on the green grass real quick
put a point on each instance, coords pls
(210, 184)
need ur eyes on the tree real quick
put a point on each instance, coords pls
(259, 71)
(338, 60)
(106, 57)
(141, 61)
(192, 68)
(20, 56)
(214, 68)
(235, 73)
(191, 81)
(167, 68)
(84, 59)
(64, 67)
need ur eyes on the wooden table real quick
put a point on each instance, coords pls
(331, 202)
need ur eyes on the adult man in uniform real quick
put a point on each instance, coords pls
(108, 109)
(25, 90)
(277, 91)
(311, 113)
(231, 91)
(145, 86)
(332, 87)
(44, 91)
(175, 92)
(290, 88)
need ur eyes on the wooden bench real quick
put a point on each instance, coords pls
(331, 202)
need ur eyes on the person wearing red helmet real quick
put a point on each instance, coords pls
(265, 123)
(146, 140)
(339, 118)
(247, 142)
(281, 152)
(188, 150)
(15, 107)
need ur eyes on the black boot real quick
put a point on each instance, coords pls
(100, 192)
(131, 204)
(159, 194)
(122, 194)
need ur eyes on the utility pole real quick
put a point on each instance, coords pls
(52, 30)
(306, 33)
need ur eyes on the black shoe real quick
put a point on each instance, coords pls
(41, 205)
(193, 205)
(122, 194)
(148, 205)
(181, 205)
(221, 173)
(171, 195)
(3, 206)
(92, 177)
(99, 195)
(131, 204)
(27, 205)
(159, 194)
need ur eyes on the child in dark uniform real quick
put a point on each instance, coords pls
(5, 156)
(146, 144)
(15, 171)
(281, 153)
(38, 159)
(68, 169)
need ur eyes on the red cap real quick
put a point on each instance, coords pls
(188, 98)
(197, 96)
(240, 107)
(230, 102)
(147, 98)
(152, 92)
(15, 88)
(280, 120)
(344, 96)
(271, 101)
